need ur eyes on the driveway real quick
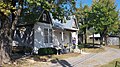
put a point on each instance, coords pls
(89, 60)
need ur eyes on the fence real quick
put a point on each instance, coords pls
(117, 64)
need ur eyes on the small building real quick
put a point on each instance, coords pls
(46, 33)
(113, 40)
(96, 36)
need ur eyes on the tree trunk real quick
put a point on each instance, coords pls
(85, 36)
(80, 36)
(5, 42)
(93, 40)
(5, 51)
(6, 34)
(119, 41)
(105, 40)
(105, 35)
(101, 39)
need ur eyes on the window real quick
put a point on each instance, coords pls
(48, 36)
(45, 35)
(44, 17)
(70, 37)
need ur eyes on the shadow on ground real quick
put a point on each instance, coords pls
(90, 45)
(63, 63)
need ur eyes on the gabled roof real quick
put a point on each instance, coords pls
(69, 25)
(38, 19)
(57, 25)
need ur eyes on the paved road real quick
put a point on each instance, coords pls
(89, 60)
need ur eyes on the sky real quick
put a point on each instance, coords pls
(89, 3)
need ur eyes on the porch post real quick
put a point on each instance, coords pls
(62, 36)
(62, 39)
(76, 39)
(77, 50)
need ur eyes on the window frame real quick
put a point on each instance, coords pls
(48, 35)
(44, 17)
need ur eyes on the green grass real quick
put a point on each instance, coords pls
(64, 56)
(111, 64)
(114, 46)
(93, 50)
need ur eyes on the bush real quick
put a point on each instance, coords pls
(17, 49)
(47, 51)
(80, 46)
(28, 49)
(21, 49)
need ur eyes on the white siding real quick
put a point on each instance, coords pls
(39, 36)
(75, 34)
(67, 37)
(113, 40)
(57, 37)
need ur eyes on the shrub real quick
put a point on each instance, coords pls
(21, 49)
(80, 46)
(47, 51)
(17, 49)
(28, 49)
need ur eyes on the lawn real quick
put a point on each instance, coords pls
(93, 50)
(112, 63)
(64, 56)
(114, 46)
(39, 61)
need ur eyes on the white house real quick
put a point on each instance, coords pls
(46, 33)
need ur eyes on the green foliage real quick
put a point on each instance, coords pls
(112, 63)
(47, 51)
(82, 17)
(58, 8)
(6, 8)
(80, 46)
(33, 9)
(21, 49)
(104, 16)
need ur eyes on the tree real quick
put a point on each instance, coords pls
(103, 16)
(10, 10)
(82, 18)
(5, 30)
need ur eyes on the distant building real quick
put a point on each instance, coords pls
(113, 40)
(96, 36)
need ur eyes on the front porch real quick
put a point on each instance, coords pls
(63, 40)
